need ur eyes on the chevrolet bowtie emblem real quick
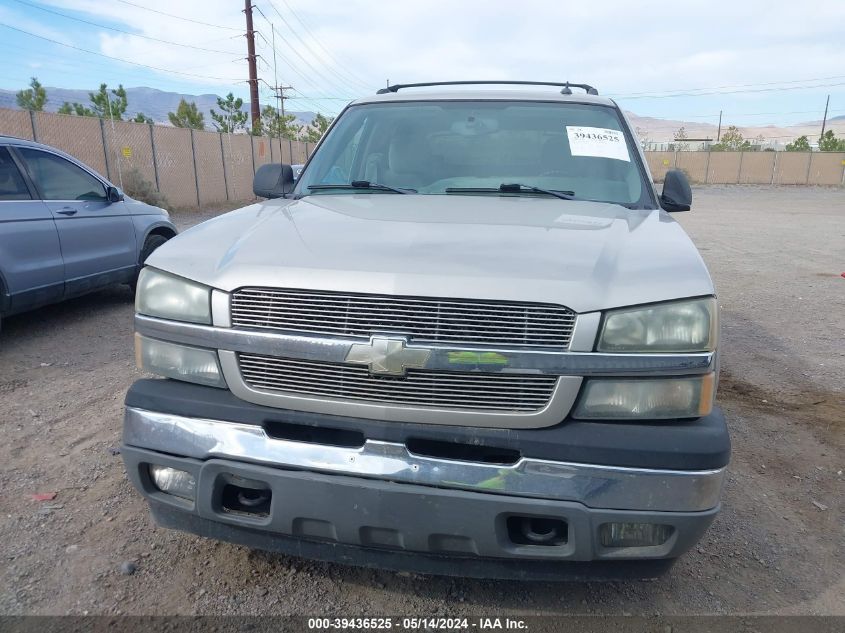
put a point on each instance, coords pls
(387, 356)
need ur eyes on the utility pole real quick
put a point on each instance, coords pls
(255, 108)
(719, 131)
(824, 120)
(280, 97)
(279, 90)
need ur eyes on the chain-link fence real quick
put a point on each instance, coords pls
(190, 168)
(194, 168)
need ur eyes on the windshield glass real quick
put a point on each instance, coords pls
(446, 147)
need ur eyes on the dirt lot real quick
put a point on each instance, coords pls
(776, 254)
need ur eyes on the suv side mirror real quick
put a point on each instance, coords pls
(273, 181)
(677, 195)
(114, 195)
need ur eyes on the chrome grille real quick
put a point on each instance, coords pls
(452, 321)
(445, 390)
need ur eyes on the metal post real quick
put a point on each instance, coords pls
(774, 168)
(252, 152)
(809, 166)
(719, 130)
(155, 160)
(707, 168)
(223, 158)
(105, 149)
(32, 123)
(290, 149)
(196, 173)
(739, 171)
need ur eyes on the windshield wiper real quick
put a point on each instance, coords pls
(514, 188)
(363, 184)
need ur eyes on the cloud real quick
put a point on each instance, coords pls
(621, 47)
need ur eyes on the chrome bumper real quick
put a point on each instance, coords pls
(595, 486)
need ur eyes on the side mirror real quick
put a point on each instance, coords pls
(114, 195)
(677, 195)
(273, 181)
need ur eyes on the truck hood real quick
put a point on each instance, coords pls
(585, 255)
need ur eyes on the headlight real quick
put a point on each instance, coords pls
(181, 362)
(167, 296)
(646, 398)
(680, 326)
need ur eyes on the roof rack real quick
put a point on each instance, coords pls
(566, 86)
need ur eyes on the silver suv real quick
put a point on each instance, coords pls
(468, 340)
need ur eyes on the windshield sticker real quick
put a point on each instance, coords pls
(597, 141)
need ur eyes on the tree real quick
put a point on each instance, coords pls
(75, 108)
(642, 135)
(829, 143)
(801, 144)
(315, 131)
(109, 107)
(681, 135)
(732, 141)
(275, 125)
(142, 118)
(187, 115)
(33, 98)
(103, 105)
(230, 118)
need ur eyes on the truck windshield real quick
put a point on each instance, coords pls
(476, 147)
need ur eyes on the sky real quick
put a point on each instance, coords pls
(760, 62)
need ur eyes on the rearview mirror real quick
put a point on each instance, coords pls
(273, 181)
(114, 195)
(677, 195)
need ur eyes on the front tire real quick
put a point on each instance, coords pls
(150, 244)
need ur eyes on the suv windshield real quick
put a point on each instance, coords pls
(479, 148)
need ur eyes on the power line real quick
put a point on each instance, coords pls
(306, 45)
(731, 92)
(737, 114)
(311, 101)
(112, 28)
(178, 17)
(351, 74)
(292, 69)
(119, 59)
(688, 92)
(319, 74)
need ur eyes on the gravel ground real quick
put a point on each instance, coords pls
(776, 255)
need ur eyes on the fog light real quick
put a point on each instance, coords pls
(174, 482)
(634, 534)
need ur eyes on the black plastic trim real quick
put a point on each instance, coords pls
(700, 444)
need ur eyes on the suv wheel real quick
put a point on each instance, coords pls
(150, 244)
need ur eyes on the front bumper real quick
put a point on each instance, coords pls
(380, 504)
